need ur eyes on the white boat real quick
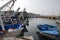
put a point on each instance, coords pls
(58, 21)
(10, 29)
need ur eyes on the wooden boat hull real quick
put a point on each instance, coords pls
(15, 32)
(48, 35)
(13, 29)
(45, 31)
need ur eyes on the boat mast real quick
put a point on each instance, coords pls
(2, 23)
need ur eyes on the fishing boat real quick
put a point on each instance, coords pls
(14, 28)
(9, 25)
(45, 31)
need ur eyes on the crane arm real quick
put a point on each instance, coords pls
(6, 4)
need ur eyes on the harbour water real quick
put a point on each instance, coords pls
(32, 28)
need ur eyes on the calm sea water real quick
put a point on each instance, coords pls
(32, 28)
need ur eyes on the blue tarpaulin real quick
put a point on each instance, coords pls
(51, 26)
(8, 26)
(46, 25)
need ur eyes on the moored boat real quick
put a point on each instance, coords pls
(45, 31)
(10, 22)
(14, 28)
(58, 22)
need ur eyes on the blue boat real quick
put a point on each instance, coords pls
(17, 28)
(44, 30)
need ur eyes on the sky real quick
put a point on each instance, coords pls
(42, 7)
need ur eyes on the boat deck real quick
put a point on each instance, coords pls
(15, 38)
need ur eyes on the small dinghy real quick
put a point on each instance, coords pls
(45, 31)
